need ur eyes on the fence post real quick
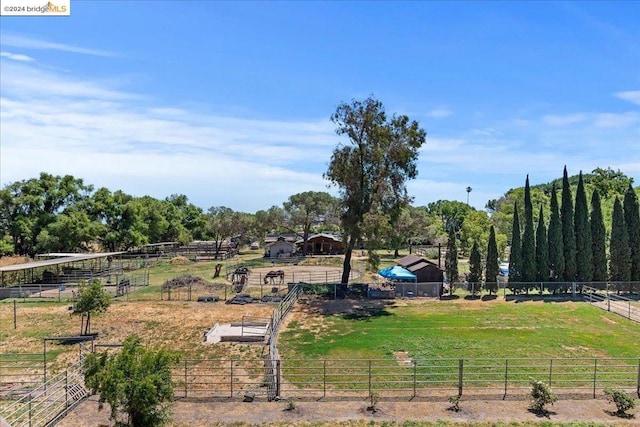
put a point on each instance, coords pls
(414, 377)
(231, 376)
(550, 371)
(595, 370)
(460, 370)
(185, 378)
(324, 378)
(30, 397)
(638, 390)
(369, 377)
(506, 377)
(278, 373)
(15, 318)
(66, 388)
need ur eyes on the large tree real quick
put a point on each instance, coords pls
(451, 260)
(632, 220)
(556, 246)
(493, 266)
(620, 255)
(568, 230)
(598, 240)
(528, 239)
(136, 382)
(371, 171)
(475, 269)
(303, 210)
(542, 250)
(515, 254)
(584, 265)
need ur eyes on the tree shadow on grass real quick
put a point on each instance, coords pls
(449, 297)
(489, 297)
(349, 309)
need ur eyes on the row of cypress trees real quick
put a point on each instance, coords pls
(573, 248)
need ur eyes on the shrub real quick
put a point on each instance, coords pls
(623, 401)
(455, 403)
(541, 395)
(374, 398)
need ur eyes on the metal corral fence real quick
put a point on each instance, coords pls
(23, 371)
(618, 304)
(48, 402)
(423, 378)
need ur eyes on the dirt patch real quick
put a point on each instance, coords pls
(354, 413)
(403, 359)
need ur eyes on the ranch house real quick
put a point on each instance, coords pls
(280, 249)
(323, 244)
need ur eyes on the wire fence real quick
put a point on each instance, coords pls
(411, 378)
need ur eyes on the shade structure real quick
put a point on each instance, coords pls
(397, 273)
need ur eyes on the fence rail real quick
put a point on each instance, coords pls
(49, 401)
(618, 304)
(358, 378)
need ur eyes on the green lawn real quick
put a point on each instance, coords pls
(464, 329)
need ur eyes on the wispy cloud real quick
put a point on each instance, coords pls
(563, 120)
(16, 57)
(632, 96)
(15, 40)
(439, 113)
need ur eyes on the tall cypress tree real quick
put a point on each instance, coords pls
(493, 267)
(475, 268)
(528, 239)
(451, 260)
(556, 246)
(632, 220)
(584, 266)
(568, 230)
(598, 238)
(515, 255)
(620, 255)
(542, 250)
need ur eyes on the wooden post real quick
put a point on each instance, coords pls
(15, 318)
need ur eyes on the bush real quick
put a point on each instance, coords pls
(623, 401)
(455, 403)
(541, 395)
(374, 398)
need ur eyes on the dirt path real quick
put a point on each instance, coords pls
(355, 413)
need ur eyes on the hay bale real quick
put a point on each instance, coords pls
(179, 260)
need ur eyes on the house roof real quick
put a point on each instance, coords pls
(414, 263)
(325, 235)
(409, 260)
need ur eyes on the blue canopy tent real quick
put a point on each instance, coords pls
(397, 273)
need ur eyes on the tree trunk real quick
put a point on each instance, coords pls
(346, 266)
(396, 253)
(87, 326)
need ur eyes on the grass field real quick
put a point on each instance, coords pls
(458, 328)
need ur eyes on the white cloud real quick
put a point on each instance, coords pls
(611, 120)
(563, 120)
(439, 113)
(632, 96)
(15, 40)
(16, 57)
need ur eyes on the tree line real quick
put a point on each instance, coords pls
(574, 244)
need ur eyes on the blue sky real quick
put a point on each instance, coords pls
(229, 102)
